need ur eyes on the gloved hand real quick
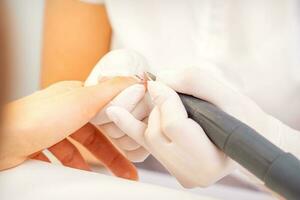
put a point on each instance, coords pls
(213, 87)
(179, 143)
(133, 99)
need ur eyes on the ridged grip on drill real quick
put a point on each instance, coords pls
(283, 176)
(251, 150)
(216, 124)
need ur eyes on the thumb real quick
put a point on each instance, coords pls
(127, 123)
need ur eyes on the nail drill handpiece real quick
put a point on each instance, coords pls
(279, 170)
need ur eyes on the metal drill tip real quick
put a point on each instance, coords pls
(150, 76)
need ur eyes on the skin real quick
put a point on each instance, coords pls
(76, 36)
(94, 38)
(46, 118)
(74, 56)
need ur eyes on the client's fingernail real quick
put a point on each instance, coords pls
(110, 111)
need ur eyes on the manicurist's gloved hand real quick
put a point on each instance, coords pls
(46, 118)
(213, 87)
(123, 63)
(179, 143)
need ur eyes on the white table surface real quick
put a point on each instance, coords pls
(39, 180)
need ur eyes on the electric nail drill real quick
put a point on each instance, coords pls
(279, 170)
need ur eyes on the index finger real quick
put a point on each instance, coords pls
(81, 104)
(128, 99)
(168, 102)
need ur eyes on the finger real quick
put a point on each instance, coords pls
(143, 108)
(81, 104)
(120, 62)
(168, 102)
(99, 95)
(201, 84)
(138, 155)
(127, 99)
(140, 112)
(64, 86)
(127, 123)
(186, 133)
(40, 156)
(127, 144)
(59, 88)
(171, 108)
(90, 137)
(68, 155)
(112, 130)
(153, 135)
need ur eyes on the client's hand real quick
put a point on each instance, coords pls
(46, 118)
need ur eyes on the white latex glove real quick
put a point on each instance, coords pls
(179, 143)
(133, 99)
(205, 85)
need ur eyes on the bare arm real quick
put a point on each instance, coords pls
(76, 36)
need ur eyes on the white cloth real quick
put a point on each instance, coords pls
(35, 180)
(255, 43)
